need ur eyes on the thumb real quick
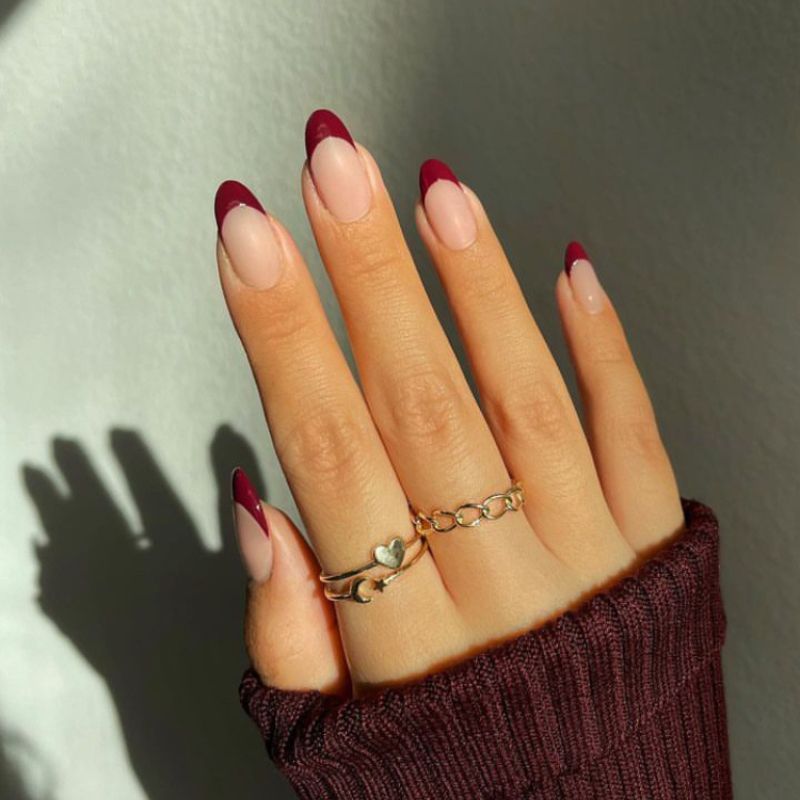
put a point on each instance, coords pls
(290, 627)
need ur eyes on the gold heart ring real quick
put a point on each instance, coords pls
(374, 585)
(389, 555)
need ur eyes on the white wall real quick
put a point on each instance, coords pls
(663, 135)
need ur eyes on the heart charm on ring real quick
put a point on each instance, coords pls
(391, 555)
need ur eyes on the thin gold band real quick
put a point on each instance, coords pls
(384, 555)
(353, 591)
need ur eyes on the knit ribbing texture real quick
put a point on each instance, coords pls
(619, 699)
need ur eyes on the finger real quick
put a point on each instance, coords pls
(337, 468)
(230, 446)
(635, 471)
(87, 536)
(87, 491)
(290, 628)
(165, 518)
(50, 503)
(437, 439)
(523, 394)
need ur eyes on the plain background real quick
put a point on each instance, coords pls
(663, 135)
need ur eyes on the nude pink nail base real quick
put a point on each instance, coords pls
(446, 205)
(586, 288)
(336, 167)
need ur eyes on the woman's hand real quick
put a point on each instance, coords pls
(355, 456)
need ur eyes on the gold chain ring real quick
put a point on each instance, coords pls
(443, 521)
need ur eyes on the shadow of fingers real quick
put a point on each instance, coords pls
(156, 613)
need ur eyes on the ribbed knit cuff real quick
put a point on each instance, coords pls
(620, 699)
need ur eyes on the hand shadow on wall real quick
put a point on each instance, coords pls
(6, 8)
(159, 616)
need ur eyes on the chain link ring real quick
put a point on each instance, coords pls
(512, 500)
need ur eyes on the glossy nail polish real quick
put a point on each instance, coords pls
(446, 206)
(232, 194)
(336, 167)
(252, 529)
(321, 125)
(431, 171)
(248, 236)
(586, 288)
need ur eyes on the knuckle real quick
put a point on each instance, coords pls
(528, 409)
(637, 433)
(426, 409)
(567, 477)
(375, 263)
(284, 323)
(609, 350)
(328, 447)
(485, 283)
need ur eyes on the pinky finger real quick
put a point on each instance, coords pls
(290, 627)
(634, 469)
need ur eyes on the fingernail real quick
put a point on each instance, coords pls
(247, 235)
(586, 289)
(252, 530)
(446, 206)
(336, 167)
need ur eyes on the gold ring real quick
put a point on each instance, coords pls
(512, 500)
(389, 555)
(353, 591)
(362, 588)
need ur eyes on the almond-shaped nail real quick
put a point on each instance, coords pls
(248, 236)
(252, 529)
(586, 288)
(446, 206)
(336, 167)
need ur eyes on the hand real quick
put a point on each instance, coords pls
(596, 500)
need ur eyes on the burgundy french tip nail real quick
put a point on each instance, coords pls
(231, 194)
(244, 493)
(321, 124)
(573, 253)
(431, 171)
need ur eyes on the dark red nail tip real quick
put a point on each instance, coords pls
(431, 171)
(321, 124)
(573, 252)
(244, 493)
(231, 194)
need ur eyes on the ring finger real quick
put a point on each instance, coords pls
(526, 401)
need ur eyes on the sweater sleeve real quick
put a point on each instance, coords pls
(619, 699)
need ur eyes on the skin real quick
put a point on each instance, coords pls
(598, 500)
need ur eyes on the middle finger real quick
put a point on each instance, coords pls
(433, 429)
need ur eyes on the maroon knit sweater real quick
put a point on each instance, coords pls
(620, 699)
